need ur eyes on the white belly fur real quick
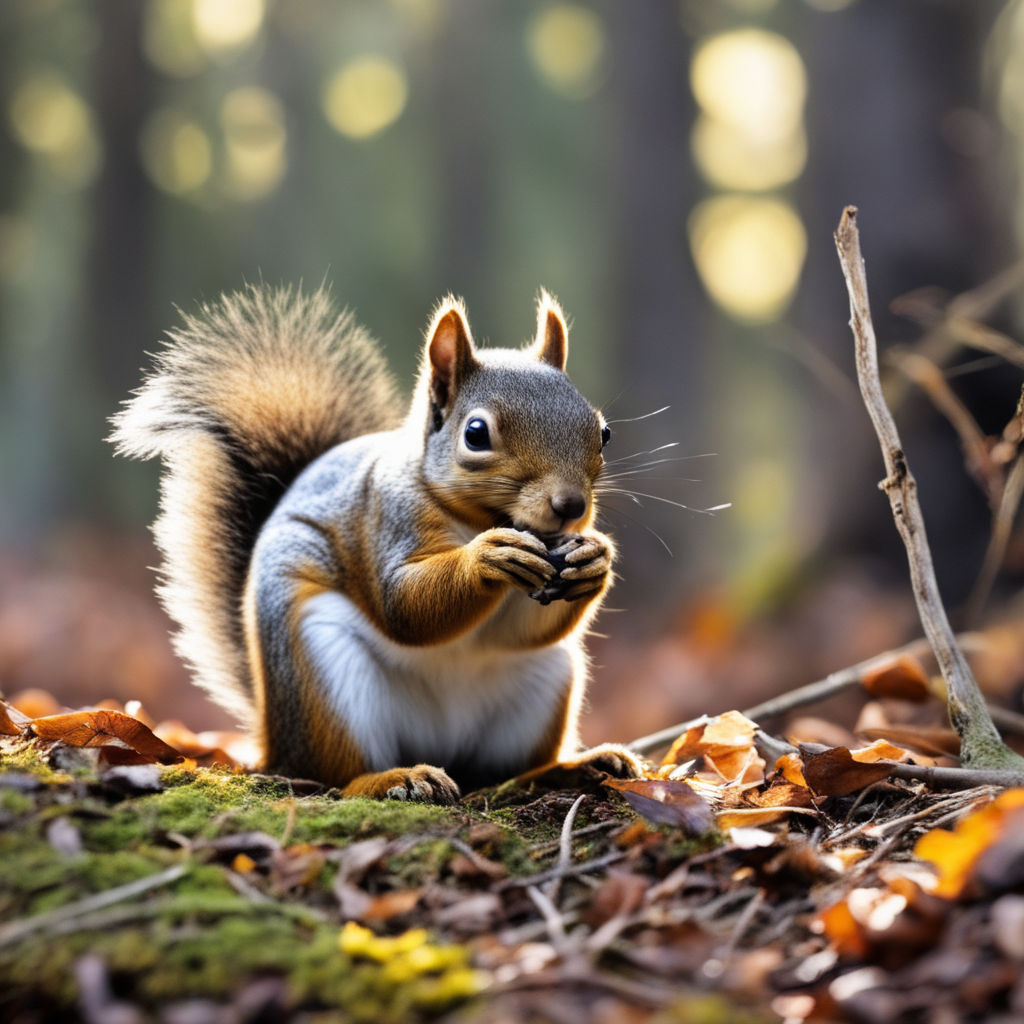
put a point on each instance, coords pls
(455, 701)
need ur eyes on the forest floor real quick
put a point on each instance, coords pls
(731, 885)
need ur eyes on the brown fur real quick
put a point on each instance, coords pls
(245, 394)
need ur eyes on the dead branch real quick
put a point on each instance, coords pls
(980, 745)
(923, 372)
(836, 682)
(1002, 529)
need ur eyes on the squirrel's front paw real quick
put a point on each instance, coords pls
(514, 556)
(422, 782)
(618, 761)
(582, 562)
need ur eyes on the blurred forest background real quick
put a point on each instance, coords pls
(671, 169)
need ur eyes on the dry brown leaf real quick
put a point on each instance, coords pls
(834, 772)
(792, 769)
(666, 802)
(727, 745)
(931, 740)
(955, 854)
(101, 728)
(391, 904)
(878, 751)
(903, 677)
(12, 721)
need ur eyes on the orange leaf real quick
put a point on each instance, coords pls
(391, 904)
(902, 677)
(101, 728)
(933, 741)
(834, 772)
(956, 853)
(12, 721)
(792, 769)
(877, 751)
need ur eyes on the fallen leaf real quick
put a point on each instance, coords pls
(903, 677)
(665, 802)
(727, 745)
(618, 895)
(12, 721)
(955, 853)
(834, 772)
(933, 741)
(792, 769)
(391, 904)
(99, 728)
(877, 751)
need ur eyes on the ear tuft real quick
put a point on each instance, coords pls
(449, 349)
(552, 342)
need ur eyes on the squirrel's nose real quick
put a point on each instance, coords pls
(568, 504)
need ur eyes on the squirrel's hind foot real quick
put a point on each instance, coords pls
(423, 783)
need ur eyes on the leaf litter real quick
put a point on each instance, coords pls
(728, 884)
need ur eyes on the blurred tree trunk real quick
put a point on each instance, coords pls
(931, 213)
(653, 294)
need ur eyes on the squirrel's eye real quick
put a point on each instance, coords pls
(477, 436)
(606, 435)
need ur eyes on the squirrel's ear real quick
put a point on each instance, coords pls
(449, 351)
(552, 343)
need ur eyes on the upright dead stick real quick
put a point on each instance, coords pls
(980, 745)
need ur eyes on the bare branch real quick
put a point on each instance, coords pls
(981, 746)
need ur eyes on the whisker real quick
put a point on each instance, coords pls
(636, 419)
(668, 501)
(639, 522)
(653, 451)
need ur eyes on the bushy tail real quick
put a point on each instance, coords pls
(244, 395)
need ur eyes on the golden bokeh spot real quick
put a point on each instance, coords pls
(254, 139)
(51, 120)
(566, 43)
(365, 96)
(751, 79)
(749, 252)
(225, 25)
(169, 39)
(176, 152)
(729, 159)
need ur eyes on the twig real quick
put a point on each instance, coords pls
(15, 931)
(836, 682)
(1002, 529)
(581, 868)
(984, 338)
(980, 742)
(552, 918)
(564, 849)
(923, 372)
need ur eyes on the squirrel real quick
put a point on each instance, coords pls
(355, 585)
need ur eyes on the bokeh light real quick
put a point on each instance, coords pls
(749, 252)
(254, 140)
(176, 152)
(169, 39)
(752, 79)
(566, 43)
(54, 122)
(225, 25)
(365, 96)
(731, 159)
